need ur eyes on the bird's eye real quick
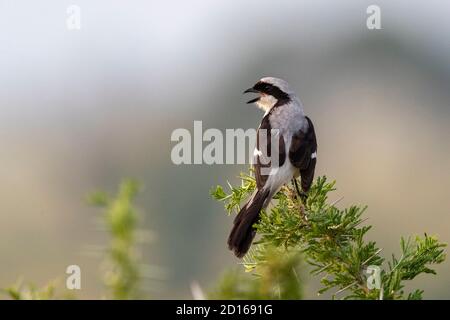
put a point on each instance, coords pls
(262, 87)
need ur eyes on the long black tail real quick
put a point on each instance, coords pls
(242, 234)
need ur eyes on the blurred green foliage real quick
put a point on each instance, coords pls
(28, 291)
(276, 278)
(120, 269)
(331, 240)
(121, 274)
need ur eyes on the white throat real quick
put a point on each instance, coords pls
(266, 102)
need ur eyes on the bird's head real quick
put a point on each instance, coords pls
(270, 91)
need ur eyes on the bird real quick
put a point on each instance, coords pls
(284, 123)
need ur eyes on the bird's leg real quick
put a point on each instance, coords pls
(302, 194)
(294, 182)
(303, 197)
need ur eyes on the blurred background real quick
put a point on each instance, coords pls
(82, 109)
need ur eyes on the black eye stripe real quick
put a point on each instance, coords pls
(272, 90)
(262, 87)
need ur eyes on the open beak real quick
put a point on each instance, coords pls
(252, 91)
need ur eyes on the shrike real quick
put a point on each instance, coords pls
(284, 119)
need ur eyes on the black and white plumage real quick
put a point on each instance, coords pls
(284, 119)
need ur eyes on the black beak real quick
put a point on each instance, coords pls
(252, 91)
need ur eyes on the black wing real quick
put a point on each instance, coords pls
(263, 146)
(302, 154)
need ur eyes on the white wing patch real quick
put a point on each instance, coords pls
(257, 153)
(314, 155)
